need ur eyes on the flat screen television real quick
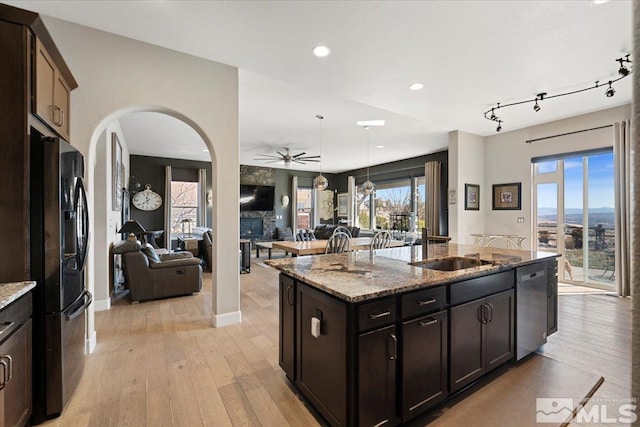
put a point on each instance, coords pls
(257, 197)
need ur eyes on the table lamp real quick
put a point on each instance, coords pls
(133, 228)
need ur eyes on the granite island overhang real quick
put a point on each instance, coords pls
(373, 341)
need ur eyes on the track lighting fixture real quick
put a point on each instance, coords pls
(610, 92)
(623, 71)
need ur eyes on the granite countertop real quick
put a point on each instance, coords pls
(354, 277)
(9, 292)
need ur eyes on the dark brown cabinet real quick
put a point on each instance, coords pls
(287, 326)
(377, 370)
(424, 363)
(15, 363)
(321, 361)
(482, 337)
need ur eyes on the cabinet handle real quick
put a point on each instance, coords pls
(481, 314)
(427, 323)
(490, 310)
(10, 368)
(4, 382)
(427, 302)
(56, 121)
(289, 299)
(393, 351)
(379, 315)
(61, 117)
(5, 326)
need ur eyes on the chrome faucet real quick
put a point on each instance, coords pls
(425, 243)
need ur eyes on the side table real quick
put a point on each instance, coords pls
(245, 258)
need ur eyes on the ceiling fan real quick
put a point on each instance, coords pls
(287, 158)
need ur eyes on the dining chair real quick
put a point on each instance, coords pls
(338, 243)
(381, 240)
(304, 235)
(342, 229)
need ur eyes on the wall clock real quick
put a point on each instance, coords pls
(147, 200)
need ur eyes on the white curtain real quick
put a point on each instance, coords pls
(202, 198)
(352, 212)
(294, 205)
(167, 207)
(623, 191)
(432, 199)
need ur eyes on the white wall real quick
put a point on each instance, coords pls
(117, 76)
(466, 166)
(505, 158)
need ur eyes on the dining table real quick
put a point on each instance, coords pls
(317, 247)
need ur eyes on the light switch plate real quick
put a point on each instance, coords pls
(452, 197)
(520, 220)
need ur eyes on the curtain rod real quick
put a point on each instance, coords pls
(529, 141)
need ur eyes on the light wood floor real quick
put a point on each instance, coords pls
(161, 363)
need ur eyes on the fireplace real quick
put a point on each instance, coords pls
(251, 228)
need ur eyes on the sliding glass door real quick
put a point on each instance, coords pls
(575, 216)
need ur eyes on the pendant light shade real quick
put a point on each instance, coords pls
(320, 183)
(367, 187)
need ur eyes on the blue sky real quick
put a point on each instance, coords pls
(600, 183)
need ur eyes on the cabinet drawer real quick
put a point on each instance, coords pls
(424, 302)
(14, 315)
(480, 287)
(377, 313)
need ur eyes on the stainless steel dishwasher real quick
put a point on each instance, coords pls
(531, 308)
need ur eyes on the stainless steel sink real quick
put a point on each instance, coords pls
(451, 263)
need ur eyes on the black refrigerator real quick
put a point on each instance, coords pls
(59, 243)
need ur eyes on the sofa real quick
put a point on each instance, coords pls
(324, 231)
(152, 276)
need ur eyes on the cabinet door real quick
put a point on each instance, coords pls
(377, 365)
(321, 362)
(287, 326)
(467, 344)
(424, 363)
(500, 329)
(17, 393)
(61, 99)
(45, 80)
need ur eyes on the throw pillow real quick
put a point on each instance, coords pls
(151, 253)
(126, 246)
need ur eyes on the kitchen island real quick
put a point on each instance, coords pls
(377, 341)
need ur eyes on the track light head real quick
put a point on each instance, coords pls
(493, 115)
(623, 71)
(499, 128)
(610, 91)
(536, 107)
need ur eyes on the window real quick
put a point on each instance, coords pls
(184, 206)
(304, 217)
(393, 205)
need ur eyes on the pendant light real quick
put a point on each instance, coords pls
(367, 186)
(320, 183)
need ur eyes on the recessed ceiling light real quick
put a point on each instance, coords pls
(600, 1)
(416, 86)
(205, 150)
(379, 146)
(321, 51)
(370, 123)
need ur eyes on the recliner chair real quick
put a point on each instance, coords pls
(151, 276)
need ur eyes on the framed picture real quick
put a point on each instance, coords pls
(471, 197)
(343, 204)
(507, 197)
(116, 173)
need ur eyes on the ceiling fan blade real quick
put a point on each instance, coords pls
(310, 157)
(298, 155)
(283, 155)
(310, 160)
(298, 161)
(269, 156)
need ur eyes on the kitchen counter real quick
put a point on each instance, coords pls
(354, 277)
(9, 292)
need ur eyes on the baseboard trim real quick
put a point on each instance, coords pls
(90, 344)
(102, 304)
(220, 320)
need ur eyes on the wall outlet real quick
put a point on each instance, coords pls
(520, 220)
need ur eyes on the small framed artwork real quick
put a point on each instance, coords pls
(507, 197)
(471, 197)
(116, 173)
(343, 204)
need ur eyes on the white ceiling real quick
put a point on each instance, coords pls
(469, 55)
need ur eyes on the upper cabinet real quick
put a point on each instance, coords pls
(52, 92)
